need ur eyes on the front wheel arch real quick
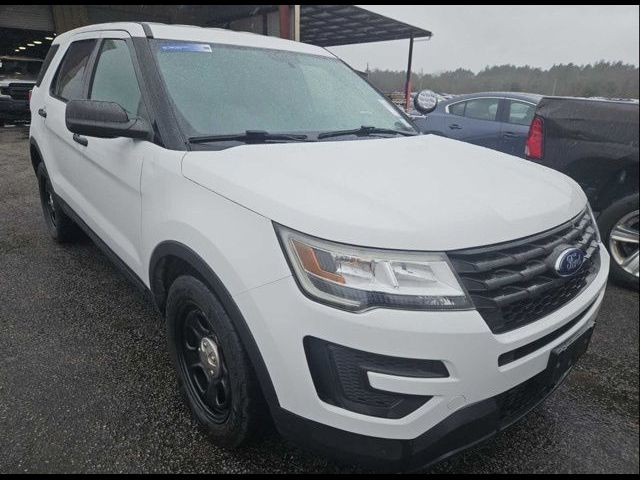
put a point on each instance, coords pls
(184, 260)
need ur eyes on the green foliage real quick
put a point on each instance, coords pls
(603, 79)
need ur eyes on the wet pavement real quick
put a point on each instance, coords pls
(86, 384)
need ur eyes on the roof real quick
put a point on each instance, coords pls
(201, 34)
(332, 25)
(532, 97)
(632, 101)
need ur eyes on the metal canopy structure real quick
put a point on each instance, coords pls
(333, 25)
(28, 29)
(322, 25)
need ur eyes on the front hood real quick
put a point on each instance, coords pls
(420, 193)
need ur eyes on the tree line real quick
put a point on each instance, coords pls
(602, 79)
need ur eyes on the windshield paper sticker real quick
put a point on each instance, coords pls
(186, 47)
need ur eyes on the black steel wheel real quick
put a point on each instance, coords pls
(215, 375)
(201, 360)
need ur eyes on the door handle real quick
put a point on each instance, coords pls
(81, 140)
(510, 135)
(42, 112)
(455, 126)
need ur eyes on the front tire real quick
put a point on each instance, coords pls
(619, 228)
(215, 376)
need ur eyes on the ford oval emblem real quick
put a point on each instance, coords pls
(569, 262)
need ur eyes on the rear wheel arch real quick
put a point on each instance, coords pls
(35, 154)
(171, 259)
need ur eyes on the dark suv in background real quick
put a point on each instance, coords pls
(595, 142)
(17, 76)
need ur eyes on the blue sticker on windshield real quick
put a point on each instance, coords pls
(186, 47)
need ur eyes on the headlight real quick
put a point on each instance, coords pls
(357, 279)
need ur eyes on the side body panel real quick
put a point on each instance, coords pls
(235, 242)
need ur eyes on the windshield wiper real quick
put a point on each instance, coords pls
(250, 136)
(365, 131)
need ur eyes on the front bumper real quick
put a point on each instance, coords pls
(280, 318)
(463, 429)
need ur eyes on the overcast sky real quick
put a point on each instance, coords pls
(475, 36)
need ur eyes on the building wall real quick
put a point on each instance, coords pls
(29, 17)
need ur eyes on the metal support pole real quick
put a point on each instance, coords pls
(296, 23)
(284, 21)
(407, 85)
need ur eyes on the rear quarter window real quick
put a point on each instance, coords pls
(47, 61)
(69, 81)
(520, 113)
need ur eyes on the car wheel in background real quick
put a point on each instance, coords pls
(619, 229)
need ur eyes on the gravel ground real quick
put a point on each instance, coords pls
(86, 384)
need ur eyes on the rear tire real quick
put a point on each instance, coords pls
(619, 226)
(61, 228)
(215, 375)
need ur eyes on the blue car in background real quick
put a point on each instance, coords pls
(497, 120)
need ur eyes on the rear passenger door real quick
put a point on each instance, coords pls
(62, 155)
(518, 115)
(475, 121)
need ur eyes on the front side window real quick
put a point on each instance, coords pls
(70, 77)
(482, 108)
(114, 79)
(457, 108)
(222, 89)
(520, 113)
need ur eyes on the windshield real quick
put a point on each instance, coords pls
(222, 89)
(17, 68)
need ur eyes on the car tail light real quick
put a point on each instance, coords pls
(534, 148)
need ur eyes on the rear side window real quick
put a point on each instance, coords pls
(115, 79)
(47, 61)
(69, 79)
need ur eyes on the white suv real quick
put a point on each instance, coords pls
(390, 297)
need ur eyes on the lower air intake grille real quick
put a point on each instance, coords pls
(340, 376)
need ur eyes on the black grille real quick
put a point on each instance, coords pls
(515, 403)
(525, 350)
(513, 284)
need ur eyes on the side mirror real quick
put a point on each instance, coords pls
(104, 120)
(426, 101)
